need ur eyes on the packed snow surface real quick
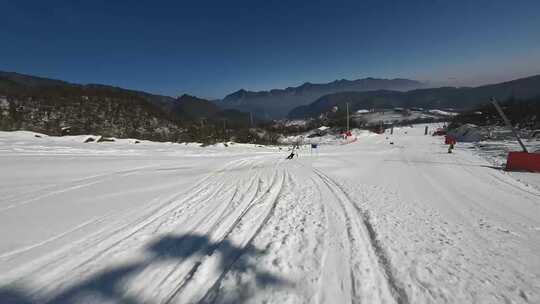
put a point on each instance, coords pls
(443, 113)
(394, 116)
(366, 222)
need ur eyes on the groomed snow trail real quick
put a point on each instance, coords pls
(228, 239)
(367, 222)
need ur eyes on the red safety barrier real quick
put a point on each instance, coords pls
(439, 132)
(449, 140)
(523, 161)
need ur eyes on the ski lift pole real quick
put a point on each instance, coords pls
(508, 124)
(347, 117)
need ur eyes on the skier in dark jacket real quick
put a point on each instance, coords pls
(291, 156)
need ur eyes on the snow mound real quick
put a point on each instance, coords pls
(467, 133)
(327, 139)
(442, 113)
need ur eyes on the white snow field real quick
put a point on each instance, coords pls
(366, 222)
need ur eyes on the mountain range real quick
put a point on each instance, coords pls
(445, 97)
(192, 108)
(51, 106)
(275, 104)
(56, 107)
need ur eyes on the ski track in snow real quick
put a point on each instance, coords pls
(262, 229)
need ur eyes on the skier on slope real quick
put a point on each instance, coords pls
(291, 156)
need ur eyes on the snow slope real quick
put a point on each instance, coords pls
(365, 222)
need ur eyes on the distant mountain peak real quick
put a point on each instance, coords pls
(238, 94)
(441, 97)
(276, 103)
(187, 97)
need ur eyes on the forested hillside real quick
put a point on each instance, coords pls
(67, 109)
(56, 107)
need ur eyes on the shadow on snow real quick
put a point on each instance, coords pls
(109, 285)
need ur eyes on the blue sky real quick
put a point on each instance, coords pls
(212, 48)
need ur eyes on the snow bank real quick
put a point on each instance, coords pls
(442, 113)
(466, 133)
(32, 143)
(295, 123)
(327, 139)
